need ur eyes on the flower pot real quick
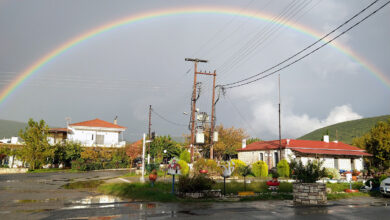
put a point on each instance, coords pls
(203, 171)
(354, 178)
(152, 177)
(351, 190)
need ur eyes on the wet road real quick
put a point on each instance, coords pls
(40, 196)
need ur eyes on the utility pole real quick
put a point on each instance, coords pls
(212, 119)
(150, 125)
(193, 107)
(280, 126)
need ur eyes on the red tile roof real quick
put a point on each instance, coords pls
(306, 146)
(58, 130)
(97, 123)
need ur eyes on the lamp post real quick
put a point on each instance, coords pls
(144, 141)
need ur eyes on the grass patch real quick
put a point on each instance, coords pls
(161, 192)
(335, 196)
(52, 170)
(268, 196)
(84, 184)
(258, 187)
(340, 187)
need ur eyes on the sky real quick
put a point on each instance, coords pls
(122, 71)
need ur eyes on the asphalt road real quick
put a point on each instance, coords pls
(40, 196)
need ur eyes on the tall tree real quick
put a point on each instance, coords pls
(377, 142)
(36, 149)
(134, 151)
(161, 143)
(229, 140)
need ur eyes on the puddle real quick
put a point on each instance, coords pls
(107, 201)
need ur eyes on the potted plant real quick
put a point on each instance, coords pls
(153, 177)
(306, 190)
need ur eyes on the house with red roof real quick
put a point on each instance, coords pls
(334, 154)
(96, 133)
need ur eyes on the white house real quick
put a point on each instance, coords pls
(334, 154)
(96, 132)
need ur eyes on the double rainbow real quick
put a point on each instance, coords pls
(18, 81)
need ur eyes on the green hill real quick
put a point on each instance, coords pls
(346, 131)
(10, 128)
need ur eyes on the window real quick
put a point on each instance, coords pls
(261, 156)
(276, 157)
(99, 139)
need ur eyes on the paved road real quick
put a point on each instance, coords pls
(40, 196)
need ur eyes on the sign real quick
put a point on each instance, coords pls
(174, 168)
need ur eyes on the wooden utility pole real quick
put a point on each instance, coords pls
(212, 119)
(280, 126)
(150, 125)
(193, 107)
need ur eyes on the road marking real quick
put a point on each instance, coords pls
(125, 180)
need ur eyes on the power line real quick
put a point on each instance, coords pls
(231, 85)
(169, 121)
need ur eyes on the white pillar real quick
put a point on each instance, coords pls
(142, 179)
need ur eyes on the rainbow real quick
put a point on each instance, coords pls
(18, 81)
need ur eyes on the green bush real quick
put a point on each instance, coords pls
(186, 156)
(260, 169)
(238, 164)
(184, 167)
(309, 173)
(196, 183)
(283, 168)
(382, 177)
(152, 166)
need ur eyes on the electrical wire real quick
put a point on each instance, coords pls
(306, 48)
(226, 86)
(169, 121)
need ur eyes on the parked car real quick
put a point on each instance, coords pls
(385, 187)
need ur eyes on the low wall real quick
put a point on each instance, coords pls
(13, 170)
(309, 193)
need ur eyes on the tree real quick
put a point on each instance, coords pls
(229, 140)
(377, 143)
(252, 140)
(244, 171)
(134, 151)
(161, 143)
(186, 156)
(36, 149)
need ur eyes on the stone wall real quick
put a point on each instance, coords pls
(309, 193)
(13, 170)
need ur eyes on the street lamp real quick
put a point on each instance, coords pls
(142, 179)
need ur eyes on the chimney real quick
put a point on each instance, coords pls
(288, 141)
(326, 138)
(243, 143)
(115, 120)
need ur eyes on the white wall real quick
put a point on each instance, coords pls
(88, 137)
(344, 164)
(358, 164)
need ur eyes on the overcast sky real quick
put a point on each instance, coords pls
(123, 71)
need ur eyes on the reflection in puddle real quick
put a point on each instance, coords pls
(106, 201)
(35, 200)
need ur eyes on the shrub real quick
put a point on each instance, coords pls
(332, 173)
(260, 169)
(382, 177)
(196, 183)
(283, 168)
(210, 165)
(238, 164)
(186, 156)
(152, 166)
(309, 173)
(184, 167)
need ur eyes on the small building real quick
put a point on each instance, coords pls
(96, 133)
(334, 154)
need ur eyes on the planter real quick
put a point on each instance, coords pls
(203, 171)
(152, 177)
(354, 178)
(247, 193)
(351, 190)
(309, 193)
